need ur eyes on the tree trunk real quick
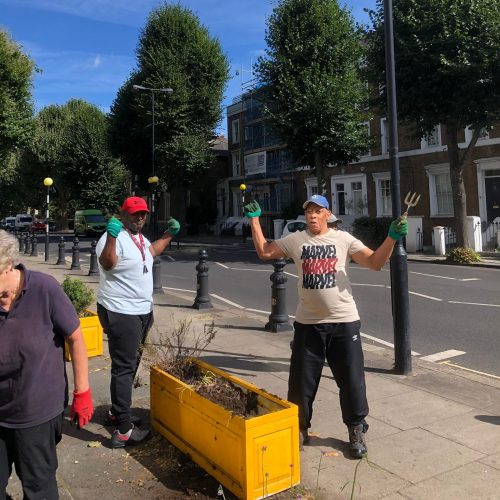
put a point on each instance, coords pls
(320, 173)
(457, 166)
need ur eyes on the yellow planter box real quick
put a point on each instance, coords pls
(253, 457)
(92, 333)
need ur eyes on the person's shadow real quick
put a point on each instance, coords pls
(489, 419)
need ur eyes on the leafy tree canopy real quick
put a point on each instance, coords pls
(312, 88)
(174, 51)
(447, 56)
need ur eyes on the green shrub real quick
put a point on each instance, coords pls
(372, 231)
(463, 256)
(80, 294)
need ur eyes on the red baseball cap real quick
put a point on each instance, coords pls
(135, 204)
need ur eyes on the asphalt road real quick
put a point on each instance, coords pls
(454, 310)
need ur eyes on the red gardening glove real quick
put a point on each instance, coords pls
(82, 408)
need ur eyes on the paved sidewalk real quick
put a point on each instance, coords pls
(433, 435)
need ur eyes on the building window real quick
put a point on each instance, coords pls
(311, 186)
(440, 193)
(235, 137)
(483, 134)
(383, 193)
(349, 195)
(431, 140)
(236, 165)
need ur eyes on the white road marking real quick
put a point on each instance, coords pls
(470, 279)
(257, 310)
(426, 296)
(290, 274)
(384, 342)
(473, 303)
(222, 265)
(243, 269)
(433, 275)
(218, 297)
(439, 356)
(169, 257)
(178, 289)
(367, 284)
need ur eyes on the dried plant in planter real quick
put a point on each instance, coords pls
(174, 352)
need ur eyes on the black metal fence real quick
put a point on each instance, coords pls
(450, 237)
(489, 232)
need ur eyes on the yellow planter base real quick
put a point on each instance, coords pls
(253, 457)
(92, 333)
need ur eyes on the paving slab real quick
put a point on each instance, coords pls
(378, 387)
(413, 409)
(472, 481)
(492, 460)
(418, 454)
(466, 429)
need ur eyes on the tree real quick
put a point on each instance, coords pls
(16, 118)
(313, 93)
(174, 51)
(70, 145)
(447, 55)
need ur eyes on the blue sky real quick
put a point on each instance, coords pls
(86, 48)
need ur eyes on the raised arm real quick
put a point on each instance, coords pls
(158, 246)
(265, 250)
(108, 257)
(376, 259)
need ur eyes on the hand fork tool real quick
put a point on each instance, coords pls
(411, 200)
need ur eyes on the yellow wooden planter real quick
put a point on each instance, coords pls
(92, 333)
(253, 457)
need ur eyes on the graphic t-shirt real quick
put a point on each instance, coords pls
(325, 294)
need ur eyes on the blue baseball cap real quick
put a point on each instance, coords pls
(318, 200)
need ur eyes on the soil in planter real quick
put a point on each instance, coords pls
(219, 390)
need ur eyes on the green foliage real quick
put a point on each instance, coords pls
(71, 146)
(174, 51)
(16, 109)
(372, 231)
(447, 57)
(463, 255)
(314, 95)
(80, 294)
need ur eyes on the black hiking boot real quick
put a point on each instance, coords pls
(303, 438)
(357, 445)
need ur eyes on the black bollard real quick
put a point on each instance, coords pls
(34, 246)
(157, 287)
(61, 260)
(202, 300)
(27, 243)
(75, 261)
(94, 269)
(20, 239)
(278, 319)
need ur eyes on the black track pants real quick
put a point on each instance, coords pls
(126, 336)
(340, 344)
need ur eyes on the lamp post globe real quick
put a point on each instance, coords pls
(47, 182)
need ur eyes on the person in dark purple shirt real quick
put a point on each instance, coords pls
(36, 317)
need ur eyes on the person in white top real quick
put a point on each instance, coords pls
(327, 321)
(125, 307)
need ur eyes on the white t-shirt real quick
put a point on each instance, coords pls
(325, 294)
(126, 289)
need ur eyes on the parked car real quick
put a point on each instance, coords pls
(8, 223)
(89, 222)
(52, 224)
(23, 222)
(292, 226)
(38, 226)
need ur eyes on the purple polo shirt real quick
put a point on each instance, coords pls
(33, 382)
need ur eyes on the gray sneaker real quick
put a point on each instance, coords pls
(131, 438)
(357, 444)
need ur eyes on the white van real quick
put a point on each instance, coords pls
(23, 222)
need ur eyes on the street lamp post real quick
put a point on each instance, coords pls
(399, 259)
(47, 182)
(153, 181)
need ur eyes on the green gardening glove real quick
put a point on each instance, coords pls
(113, 227)
(252, 209)
(173, 226)
(398, 228)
